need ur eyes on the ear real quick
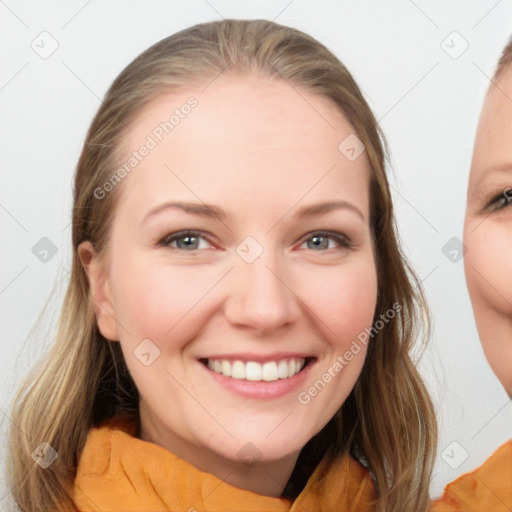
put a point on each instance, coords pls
(99, 283)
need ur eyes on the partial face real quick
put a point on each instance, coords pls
(249, 308)
(488, 230)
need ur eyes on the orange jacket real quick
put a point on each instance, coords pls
(118, 472)
(486, 489)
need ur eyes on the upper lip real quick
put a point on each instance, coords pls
(260, 358)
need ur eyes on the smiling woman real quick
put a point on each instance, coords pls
(218, 282)
(488, 268)
(487, 229)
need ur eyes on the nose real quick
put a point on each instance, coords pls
(261, 297)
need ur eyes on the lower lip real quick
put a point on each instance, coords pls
(261, 389)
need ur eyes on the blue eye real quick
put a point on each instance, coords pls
(321, 240)
(186, 240)
(189, 241)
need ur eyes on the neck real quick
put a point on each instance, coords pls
(264, 477)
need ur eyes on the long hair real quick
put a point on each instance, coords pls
(388, 417)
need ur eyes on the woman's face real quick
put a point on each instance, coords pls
(488, 229)
(257, 291)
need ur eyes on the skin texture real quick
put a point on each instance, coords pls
(488, 229)
(254, 147)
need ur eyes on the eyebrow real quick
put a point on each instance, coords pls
(212, 211)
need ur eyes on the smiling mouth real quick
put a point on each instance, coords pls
(257, 372)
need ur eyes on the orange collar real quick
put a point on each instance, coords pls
(119, 472)
(487, 488)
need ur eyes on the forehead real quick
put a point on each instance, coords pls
(265, 107)
(257, 135)
(493, 141)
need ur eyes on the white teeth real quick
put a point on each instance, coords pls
(282, 369)
(226, 368)
(238, 370)
(253, 371)
(269, 371)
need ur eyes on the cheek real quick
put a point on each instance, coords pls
(488, 268)
(488, 265)
(153, 297)
(168, 302)
(344, 307)
(345, 301)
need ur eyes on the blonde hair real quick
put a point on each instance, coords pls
(388, 418)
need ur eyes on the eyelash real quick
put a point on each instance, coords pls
(343, 241)
(505, 197)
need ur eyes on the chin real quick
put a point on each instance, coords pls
(251, 452)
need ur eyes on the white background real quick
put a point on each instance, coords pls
(427, 102)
